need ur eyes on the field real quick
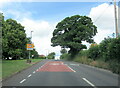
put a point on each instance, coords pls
(10, 67)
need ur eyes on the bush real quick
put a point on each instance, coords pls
(94, 52)
(83, 53)
(114, 50)
(83, 59)
(114, 66)
(64, 56)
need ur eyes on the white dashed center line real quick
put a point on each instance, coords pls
(89, 82)
(29, 75)
(22, 80)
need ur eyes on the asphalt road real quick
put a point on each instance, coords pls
(63, 73)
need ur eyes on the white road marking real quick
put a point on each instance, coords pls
(89, 82)
(22, 80)
(65, 64)
(75, 64)
(42, 66)
(71, 69)
(29, 75)
(54, 64)
(34, 72)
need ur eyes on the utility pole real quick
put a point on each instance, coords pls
(119, 18)
(116, 22)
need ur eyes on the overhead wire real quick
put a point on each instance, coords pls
(102, 13)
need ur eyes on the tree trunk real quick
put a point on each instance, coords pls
(73, 52)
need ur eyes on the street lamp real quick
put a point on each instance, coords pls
(29, 50)
(31, 36)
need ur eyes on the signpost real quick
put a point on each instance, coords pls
(30, 47)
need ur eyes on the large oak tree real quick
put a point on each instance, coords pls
(71, 31)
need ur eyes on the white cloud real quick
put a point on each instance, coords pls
(2, 4)
(41, 36)
(103, 18)
(17, 14)
(42, 30)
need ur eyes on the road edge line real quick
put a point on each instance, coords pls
(71, 69)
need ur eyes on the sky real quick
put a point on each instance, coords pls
(42, 17)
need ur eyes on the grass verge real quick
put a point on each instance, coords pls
(96, 63)
(10, 67)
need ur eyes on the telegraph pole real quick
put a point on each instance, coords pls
(116, 22)
(119, 18)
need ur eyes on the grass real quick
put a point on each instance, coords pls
(96, 63)
(83, 60)
(10, 67)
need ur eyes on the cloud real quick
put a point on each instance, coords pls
(41, 36)
(2, 5)
(103, 18)
(42, 30)
(16, 14)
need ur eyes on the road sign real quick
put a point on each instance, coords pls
(30, 46)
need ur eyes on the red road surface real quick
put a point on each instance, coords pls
(55, 66)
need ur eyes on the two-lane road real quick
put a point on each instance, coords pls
(63, 73)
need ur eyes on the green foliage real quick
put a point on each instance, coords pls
(63, 51)
(82, 57)
(104, 48)
(105, 55)
(71, 31)
(83, 53)
(114, 50)
(114, 66)
(110, 48)
(34, 53)
(94, 52)
(14, 40)
(51, 55)
(65, 56)
(10, 67)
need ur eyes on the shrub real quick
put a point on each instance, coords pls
(94, 52)
(64, 56)
(114, 66)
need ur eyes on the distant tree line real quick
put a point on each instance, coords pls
(51, 55)
(14, 41)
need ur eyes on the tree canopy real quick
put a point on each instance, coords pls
(14, 40)
(63, 51)
(71, 31)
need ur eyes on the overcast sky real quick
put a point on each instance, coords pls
(42, 17)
